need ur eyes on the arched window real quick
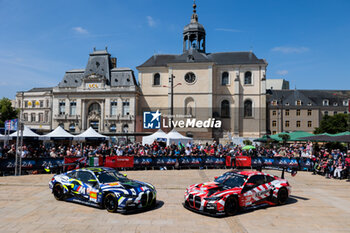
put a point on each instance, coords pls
(156, 79)
(189, 107)
(125, 128)
(225, 108)
(95, 108)
(113, 128)
(72, 128)
(248, 108)
(224, 79)
(248, 77)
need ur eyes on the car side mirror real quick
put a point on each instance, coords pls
(93, 183)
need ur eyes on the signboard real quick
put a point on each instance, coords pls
(11, 124)
(93, 85)
(119, 161)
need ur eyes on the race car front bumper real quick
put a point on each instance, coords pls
(195, 203)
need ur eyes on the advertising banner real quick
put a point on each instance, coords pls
(243, 161)
(119, 161)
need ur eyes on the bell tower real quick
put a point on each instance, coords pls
(194, 34)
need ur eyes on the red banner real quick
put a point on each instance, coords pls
(74, 162)
(119, 161)
(243, 161)
(228, 161)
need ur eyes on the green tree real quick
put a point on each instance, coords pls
(7, 112)
(284, 137)
(333, 124)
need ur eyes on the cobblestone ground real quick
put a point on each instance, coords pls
(316, 205)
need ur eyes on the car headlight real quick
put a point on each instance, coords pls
(212, 198)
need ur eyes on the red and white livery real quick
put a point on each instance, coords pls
(235, 190)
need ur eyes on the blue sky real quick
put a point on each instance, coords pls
(304, 41)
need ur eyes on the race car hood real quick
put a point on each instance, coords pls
(129, 184)
(212, 188)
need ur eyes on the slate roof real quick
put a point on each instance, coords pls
(99, 63)
(313, 97)
(40, 89)
(193, 56)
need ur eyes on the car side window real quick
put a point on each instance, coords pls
(257, 180)
(84, 176)
(72, 174)
(269, 179)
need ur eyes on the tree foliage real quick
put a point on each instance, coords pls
(333, 124)
(7, 112)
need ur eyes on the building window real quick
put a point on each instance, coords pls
(274, 102)
(190, 77)
(125, 128)
(225, 79)
(335, 113)
(126, 108)
(248, 78)
(190, 109)
(287, 112)
(113, 128)
(225, 109)
(32, 117)
(346, 102)
(25, 116)
(46, 116)
(156, 79)
(94, 108)
(73, 107)
(274, 113)
(298, 102)
(72, 128)
(62, 107)
(41, 103)
(114, 104)
(298, 112)
(41, 117)
(19, 104)
(309, 112)
(326, 113)
(26, 104)
(325, 102)
(248, 108)
(274, 123)
(298, 124)
(286, 124)
(33, 104)
(47, 103)
(309, 104)
(309, 124)
(335, 104)
(274, 132)
(287, 104)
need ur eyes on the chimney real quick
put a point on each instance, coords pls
(114, 62)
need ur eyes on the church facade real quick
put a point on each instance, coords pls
(227, 86)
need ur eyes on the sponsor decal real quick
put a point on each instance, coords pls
(151, 120)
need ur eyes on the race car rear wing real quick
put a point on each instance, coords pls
(292, 171)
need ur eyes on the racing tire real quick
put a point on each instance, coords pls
(231, 206)
(58, 192)
(110, 202)
(153, 204)
(282, 196)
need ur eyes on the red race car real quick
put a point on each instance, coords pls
(237, 189)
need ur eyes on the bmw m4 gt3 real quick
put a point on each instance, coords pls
(237, 189)
(104, 188)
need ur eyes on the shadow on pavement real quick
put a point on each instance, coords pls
(139, 211)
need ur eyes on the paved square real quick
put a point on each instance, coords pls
(316, 205)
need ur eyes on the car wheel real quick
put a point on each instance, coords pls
(110, 203)
(58, 192)
(282, 196)
(154, 203)
(231, 206)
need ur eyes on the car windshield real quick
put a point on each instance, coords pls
(231, 179)
(109, 177)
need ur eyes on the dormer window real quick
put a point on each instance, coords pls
(325, 102)
(345, 102)
(274, 102)
(309, 104)
(287, 104)
(335, 104)
(298, 103)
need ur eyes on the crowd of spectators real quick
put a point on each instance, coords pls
(331, 164)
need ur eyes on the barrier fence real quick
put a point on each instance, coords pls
(144, 162)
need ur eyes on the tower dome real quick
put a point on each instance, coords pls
(194, 34)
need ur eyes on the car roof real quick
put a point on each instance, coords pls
(96, 169)
(249, 173)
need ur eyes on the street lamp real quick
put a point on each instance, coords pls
(171, 81)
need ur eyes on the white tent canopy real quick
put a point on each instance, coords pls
(58, 134)
(157, 135)
(2, 137)
(27, 133)
(175, 137)
(90, 134)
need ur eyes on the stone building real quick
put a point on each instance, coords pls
(229, 86)
(101, 96)
(302, 110)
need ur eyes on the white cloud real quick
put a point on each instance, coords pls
(282, 72)
(288, 50)
(80, 30)
(227, 30)
(151, 22)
